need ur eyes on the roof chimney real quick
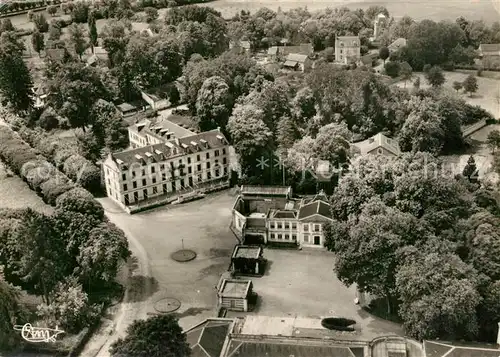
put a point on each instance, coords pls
(177, 141)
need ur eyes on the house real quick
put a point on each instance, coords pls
(273, 336)
(41, 93)
(379, 25)
(234, 295)
(397, 45)
(297, 61)
(147, 132)
(277, 218)
(347, 49)
(247, 260)
(448, 349)
(157, 98)
(127, 109)
(155, 174)
(489, 49)
(378, 144)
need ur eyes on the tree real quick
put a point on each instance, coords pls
(470, 84)
(213, 105)
(392, 69)
(493, 140)
(158, 336)
(151, 14)
(41, 23)
(383, 53)
(470, 170)
(332, 144)
(15, 77)
(37, 41)
(12, 312)
(457, 85)
(435, 76)
(81, 201)
(405, 72)
(304, 105)
(54, 33)
(92, 30)
(52, 10)
(80, 12)
(6, 25)
(115, 39)
(77, 39)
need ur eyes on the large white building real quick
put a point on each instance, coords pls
(166, 163)
(269, 214)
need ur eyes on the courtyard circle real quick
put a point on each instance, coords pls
(167, 305)
(183, 255)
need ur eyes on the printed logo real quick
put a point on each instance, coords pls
(38, 334)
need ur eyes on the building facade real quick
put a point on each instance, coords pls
(278, 218)
(163, 171)
(347, 49)
(379, 25)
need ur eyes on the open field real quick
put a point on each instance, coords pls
(16, 194)
(485, 97)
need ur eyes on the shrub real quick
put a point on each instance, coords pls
(37, 172)
(48, 120)
(14, 151)
(55, 187)
(81, 201)
(60, 156)
(83, 172)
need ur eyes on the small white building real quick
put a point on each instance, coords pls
(347, 49)
(234, 294)
(378, 144)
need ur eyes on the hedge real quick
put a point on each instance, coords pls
(14, 151)
(81, 201)
(83, 172)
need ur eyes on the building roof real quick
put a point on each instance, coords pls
(292, 64)
(160, 129)
(296, 57)
(266, 190)
(489, 47)
(283, 214)
(397, 44)
(245, 44)
(272, 50)
(376, 141)
(125, 107)
(207, 339)
(247, 251)
(178, 147)
(347, 41)
(317, 207)
(232, 288)
(442, 349)
(367, 60)
(100, 51)
(55, 54)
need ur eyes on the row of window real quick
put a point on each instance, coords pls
(287, 225)
(217, 174)
(280, 236)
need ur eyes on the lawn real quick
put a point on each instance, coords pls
(16, 194)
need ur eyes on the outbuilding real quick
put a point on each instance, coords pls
(234, 294)
(247, 260)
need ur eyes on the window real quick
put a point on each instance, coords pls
(223, 151)
(317, 240)
(306, 227)
(224, 161)
(341, 51)
(271, 225)
(316, 227)
(209, 175)
(273, 236)
(125, 188)
(180, 161)
(190, 170)
(208, 155)
(144, 182)
(280, 236)
(152, 169)
(154, 179)
(217, 173)
(164, 186)
(198, 167)
(380, 151)
(294, 237)
(162, 167)
(126, 200)
(199, 178)
(145, 193)
(182, 183)
(136, 196)
(280, 225)
(216, 153)
(197, 157)
(287, 225)
(133, 174)
(124, 177)
(134, 184)
(155, 190)
(164, 177)
(294, 225)
(189, 160)
(208, 165)
(287, 237)
(225, 171)
(143, 173)
(306, 238)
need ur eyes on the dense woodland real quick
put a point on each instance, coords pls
(393, 232)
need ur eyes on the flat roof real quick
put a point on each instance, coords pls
(235, 288)
(246, 251)
(265, 190)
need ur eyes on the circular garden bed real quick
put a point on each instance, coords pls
(338, 323)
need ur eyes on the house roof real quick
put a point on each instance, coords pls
(265, 190)
(284, 214)
(160, 129)
(296, 57)
(272, 50)
(347, 41)
(160, 152)
(125, 107)
(245, 44)
(207, 339)
(376, 141)
(56, 54)
(247, 251)
(489, 47)
(442, 349)
(232, 288)
(292, 64)
(318, 207)
(100, 51)
(244, 348)
(397, 44)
